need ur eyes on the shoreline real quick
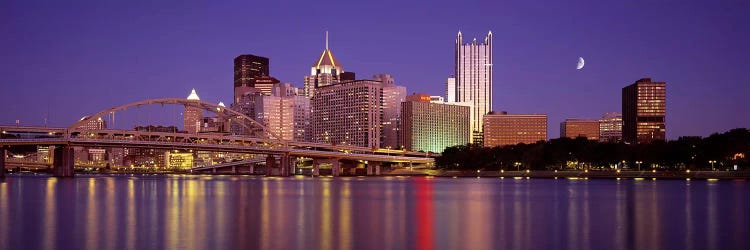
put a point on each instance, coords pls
(523, 174)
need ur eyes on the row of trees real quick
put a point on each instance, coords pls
(718, 151)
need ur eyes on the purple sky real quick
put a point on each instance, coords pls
(74, 59)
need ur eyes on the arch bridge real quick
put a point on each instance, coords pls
(280, 154)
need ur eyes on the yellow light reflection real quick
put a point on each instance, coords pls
(49, 214)
(325, 215)
(92, 215)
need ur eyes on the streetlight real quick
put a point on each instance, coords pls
(518, 166)
(639, 164)
(712, 164)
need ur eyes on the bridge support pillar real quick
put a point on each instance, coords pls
(316, 168)
(335, 167)
(213, 170)
(270, 165)
(2, 162)
(63, 161)
(234, 169)
(252, 168)
(373, 168)
(283, 166)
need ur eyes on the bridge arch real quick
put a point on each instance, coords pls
(224, 112)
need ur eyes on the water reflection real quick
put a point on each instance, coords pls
(140, 212)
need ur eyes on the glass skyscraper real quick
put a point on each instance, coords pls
(473, 80)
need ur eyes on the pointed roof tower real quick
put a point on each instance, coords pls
(193, 96)
(326, 58)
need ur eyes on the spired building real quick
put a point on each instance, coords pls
(473, 80)
(644, 108)
(432, 126)
(193, 115)
(325, 71)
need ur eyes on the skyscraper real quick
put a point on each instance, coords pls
(247, 67)
(393, 95)
(193, 115)
(473, 79)
(348, 113)
(644, 108)
(325, 71)
(285, 113)
(355, 113)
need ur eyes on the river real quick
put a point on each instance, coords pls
(247, 212)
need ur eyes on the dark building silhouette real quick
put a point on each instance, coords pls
(644, 107)
(348, 76)
(247, 68)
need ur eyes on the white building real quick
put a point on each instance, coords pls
(473, 80)
(193, 116)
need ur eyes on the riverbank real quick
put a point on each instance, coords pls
(523, 174)
(698, 175)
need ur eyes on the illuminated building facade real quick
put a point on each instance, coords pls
(644, 108)
(178, 160)
(393, 96)
(94, 124)
(503, 129)
(348, 113)
(473, 80)
(610, 127)
(572, 128)
(325, 71)
(430, 126)
(193, 115)
(285, 112)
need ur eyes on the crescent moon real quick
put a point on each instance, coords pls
(580, 63)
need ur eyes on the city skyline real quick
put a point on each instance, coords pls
(535, 72)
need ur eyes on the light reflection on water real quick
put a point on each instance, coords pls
(216, 212)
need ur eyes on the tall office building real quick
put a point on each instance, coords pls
(610, 127)
(432, 126)
(503, 129)
(348, 113)
(247, 68)
(644, 108)
(353, 113)
(285, 112)
(393, 95)
(572, 128)
(193, 115)
(325, 71)
(473, 79)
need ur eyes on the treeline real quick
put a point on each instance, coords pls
(718, 151)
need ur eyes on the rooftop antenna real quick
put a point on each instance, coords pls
(326, 40)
